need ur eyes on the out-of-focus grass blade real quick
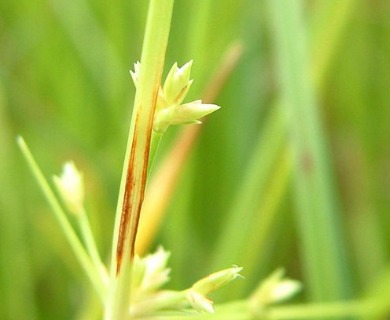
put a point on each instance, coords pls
(379, 293)
(92, 44)
(235, 233)
(253, 192)
(323, 246)
(325, 36)
(16, 278)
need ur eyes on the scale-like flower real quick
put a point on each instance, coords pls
(217, 280)
(197, 294)
(150, 273)
(135, 74)
(275, 289)
(199, 302)
(70, 185)
(177, 84)
(169, 107)
(182, 114)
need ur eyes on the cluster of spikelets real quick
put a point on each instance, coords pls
(169, 107)
(149, 274)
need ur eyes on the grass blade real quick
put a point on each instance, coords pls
(324, 251)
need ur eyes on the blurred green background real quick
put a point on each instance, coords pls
(293, 171)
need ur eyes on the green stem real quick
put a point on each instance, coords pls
(82, 256)
(134, 174)
(244, 310)
(152, 62)
(156, 138)
(90, 243)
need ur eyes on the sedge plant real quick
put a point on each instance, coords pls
(131, 287)
(132, 284)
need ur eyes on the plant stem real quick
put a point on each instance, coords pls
(90, 243)
(156, 138)
(244, 310)
(134, 174)
(137, 152)
(90, 269)
(163, 184)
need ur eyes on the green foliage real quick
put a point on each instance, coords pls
(244, 196)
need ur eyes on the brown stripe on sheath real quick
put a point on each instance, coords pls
(125, 216)
(127, 209)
